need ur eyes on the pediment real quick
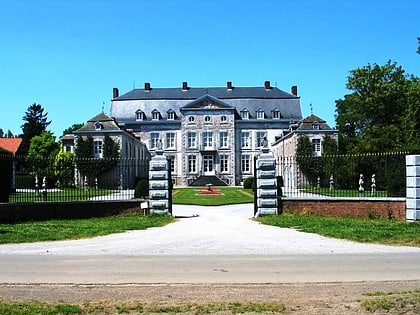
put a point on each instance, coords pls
(207, 102)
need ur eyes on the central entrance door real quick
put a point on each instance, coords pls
(208, 165)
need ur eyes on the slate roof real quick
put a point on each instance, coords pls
(108, 124)
(194, 93)
(10, 144)
(308, 123)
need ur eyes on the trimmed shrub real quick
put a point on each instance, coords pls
(249, 183)
(142, 188)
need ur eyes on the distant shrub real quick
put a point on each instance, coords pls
(249, 183)
(142, 188)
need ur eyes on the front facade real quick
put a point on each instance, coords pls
(215, 131)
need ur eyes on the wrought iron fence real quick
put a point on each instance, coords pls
(70, 179)
(364, 175)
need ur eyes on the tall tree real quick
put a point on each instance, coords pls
(1, 133)
(418, 49)
(72, 128)
(370, 118)
(36, 123)
(42, 151)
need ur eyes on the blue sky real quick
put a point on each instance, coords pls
(67, 55)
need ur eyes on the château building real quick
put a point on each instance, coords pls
(207, 132)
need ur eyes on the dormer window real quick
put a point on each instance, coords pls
(170, 114)
(99, 126)
(275, 113)
(156, 114)
(245, 113)
(315, 125)
(140, 115)
(260, 113)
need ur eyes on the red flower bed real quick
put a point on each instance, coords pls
(207, 191)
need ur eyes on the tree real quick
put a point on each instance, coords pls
(370, 119)
(42, 151)
(329, 146)
(64, 168)
(411, 119)
(73, 127)
(36, 123)
(87, 164)
(418, 49)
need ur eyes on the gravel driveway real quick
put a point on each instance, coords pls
(205, 231)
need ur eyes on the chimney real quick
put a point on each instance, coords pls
(185, 86)
(147, 87)
(115, 93)
(294, 90)
(267, 85)
(229, 85)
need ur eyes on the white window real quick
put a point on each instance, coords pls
(171, 159)
(224, 139)
(224, 163)
(154, 139)
(155, 115)
(260, 113)
(207, 139)
(244, 114)
(316, 147)
(192, 164)
(207, 119)
(246, 163)
(192, 140)
(246, 139)
(171, 115)
(97, 149)
(261, 135)
(98, 126)
(275, 113)
(139, 115)
(170, 140)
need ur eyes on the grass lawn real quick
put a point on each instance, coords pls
(221, 196)
(55, 230)
(381, 231)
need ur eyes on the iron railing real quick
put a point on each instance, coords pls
(75, 179)
(363, 175)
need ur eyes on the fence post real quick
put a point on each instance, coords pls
(412, 163)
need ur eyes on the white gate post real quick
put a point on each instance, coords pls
(412, 163)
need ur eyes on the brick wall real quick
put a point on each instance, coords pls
(383, 208)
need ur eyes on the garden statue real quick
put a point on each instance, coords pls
(361, 188)
(331, 182)
(86, 183)
(96, 182)
(36, 185)
(373, 185)
(44, 188)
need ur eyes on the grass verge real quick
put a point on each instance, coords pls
(35, 307)
(381, 231)
(404, 302)
(227, 196)
(54, 230)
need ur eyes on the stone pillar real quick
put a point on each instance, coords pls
(266, 196)
(412, 163)
(159, 184)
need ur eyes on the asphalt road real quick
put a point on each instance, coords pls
(109, 269)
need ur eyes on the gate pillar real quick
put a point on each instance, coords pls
(266, 201)
(413, 187)
(160, 185)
